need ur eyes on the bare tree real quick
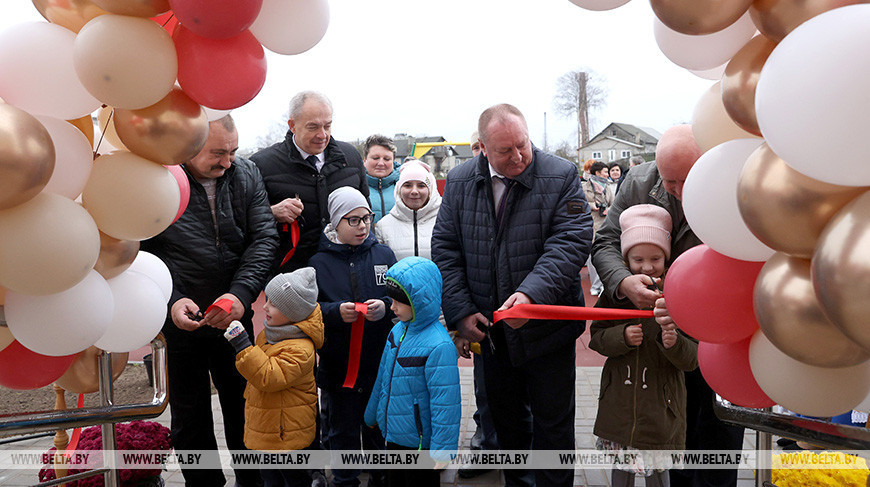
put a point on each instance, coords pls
(577, 93)
(565, 150)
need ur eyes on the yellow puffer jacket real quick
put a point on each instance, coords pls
(281, 397)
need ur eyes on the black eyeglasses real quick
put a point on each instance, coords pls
(354, 221)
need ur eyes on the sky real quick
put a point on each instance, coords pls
(429, 68)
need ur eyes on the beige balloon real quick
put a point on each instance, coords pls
(711, 124)
(131, 198)
(776, 18)
(125, 62)
(26, 156)
(6, 337)
(785, 209)
(740, 80)
(83, 377)
(135, 8)
(47, 245)
(841, 266)
(699, 17)
(106, 123)
(169, 132)
(792, 319)
(115, 255)
(71, 14)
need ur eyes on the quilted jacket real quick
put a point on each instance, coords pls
(381, 193)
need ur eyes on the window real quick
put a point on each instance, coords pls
(611, 155)
(626, 154)
(596, 155)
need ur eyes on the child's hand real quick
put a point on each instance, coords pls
(348, 312)
(377, 309)
(633, 335)
(669, 338)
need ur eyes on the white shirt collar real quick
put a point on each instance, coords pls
(320, 157)
(493, 173)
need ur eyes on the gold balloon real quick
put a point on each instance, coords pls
(711, 124)
(170, 132)
(6, 337)
(785, 209)
(841, 266)
(26, 156)
(776, 18)
(792, 319)
(71, 14)
(2, 296)
(698, 17)
(740, 80)
(135, 8)
(85, 126)
(83, 376)
(115, 255)
(106, 123)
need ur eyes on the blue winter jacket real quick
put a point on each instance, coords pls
(381, 193)
(416, 399)
(350, 273)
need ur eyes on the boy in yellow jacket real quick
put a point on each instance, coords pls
(281, 396)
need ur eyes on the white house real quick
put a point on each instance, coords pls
(618, 142)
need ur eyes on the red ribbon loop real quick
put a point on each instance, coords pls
(356, 337)
(553, 312)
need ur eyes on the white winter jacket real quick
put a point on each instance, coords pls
(407, 232)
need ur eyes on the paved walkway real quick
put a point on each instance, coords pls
(587, 401)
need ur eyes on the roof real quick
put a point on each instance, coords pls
(651, 135)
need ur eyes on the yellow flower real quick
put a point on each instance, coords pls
(806, 469)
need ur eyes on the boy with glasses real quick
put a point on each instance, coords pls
(351, 277)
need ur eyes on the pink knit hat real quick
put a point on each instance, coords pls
(413, 171)
(646, 224)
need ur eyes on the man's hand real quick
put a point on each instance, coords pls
(633, 335)
(635, 287)
(348, 312)
(513, 300)
(467, 328)
(218, 318)
(181, 312)
(377, 309)
(462, 346)
(288, 210)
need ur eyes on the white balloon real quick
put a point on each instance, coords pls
(599, 5)
(150, 265)
(140, 311)
(713, 74)
(291, 27)
(213, 114)
(64, 323)
(704, 51)
(37, 72)
(711, 124)
(74, 158)
(806, 389)
(812, 96)
(710, 201)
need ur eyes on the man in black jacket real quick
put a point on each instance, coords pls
(219, 253)
(514, 228)
(299, 174)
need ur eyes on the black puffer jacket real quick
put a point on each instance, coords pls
(286, 175)
(236, 260)
(538, 250)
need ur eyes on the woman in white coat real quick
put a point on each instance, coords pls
(407, 229)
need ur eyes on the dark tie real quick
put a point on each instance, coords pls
(313, 160)
(508, 183)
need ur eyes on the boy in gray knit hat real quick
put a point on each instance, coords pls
(280, 371)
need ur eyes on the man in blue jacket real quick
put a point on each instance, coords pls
(514, 227)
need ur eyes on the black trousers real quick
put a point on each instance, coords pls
(706, 432)
(411, 478)
(344, 428)
(193, 357)
(544, 387)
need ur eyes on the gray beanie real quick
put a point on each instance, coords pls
(294, 293)
(343, 201)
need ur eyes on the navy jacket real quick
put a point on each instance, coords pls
(286, 175)
(351, 273)
(543, 241)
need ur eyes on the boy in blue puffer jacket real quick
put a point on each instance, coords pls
(416, 398)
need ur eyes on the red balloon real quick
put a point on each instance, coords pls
(24, 369)
(709, 295)
(217, 19)
(168, 21)
(219, 73)
(725, 367)
(183, 186)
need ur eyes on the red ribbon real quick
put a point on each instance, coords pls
(356, 336)
(293, 228)
(74, 439)
(552, 312)
(226, 305)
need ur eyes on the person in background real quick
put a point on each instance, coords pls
(407, 230)
(475, 144)
(615, 175)
(351, 269)
(381, 173)
(281, 406)
(219, 253)
(633, 161)
(599, 195)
